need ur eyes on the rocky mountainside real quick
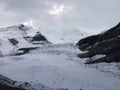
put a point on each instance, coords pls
(106, 44)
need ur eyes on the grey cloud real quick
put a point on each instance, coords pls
(86, 14)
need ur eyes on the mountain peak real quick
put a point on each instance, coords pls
(24, 27)
(16, 27)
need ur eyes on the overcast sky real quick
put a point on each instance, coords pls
(86, 15)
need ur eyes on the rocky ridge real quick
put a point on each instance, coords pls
(106, 44)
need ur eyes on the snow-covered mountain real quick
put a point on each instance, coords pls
(63, 36)
(19, 36)
(51, 66)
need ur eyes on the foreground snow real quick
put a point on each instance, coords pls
(57, 66)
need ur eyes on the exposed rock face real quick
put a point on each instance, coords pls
(22, 51)
(107, 43)
(0, 41)
(39, 37)
(13, 41)
(22, 27)
(8, 84)
(4, 87)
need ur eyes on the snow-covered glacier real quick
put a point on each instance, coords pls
(54, 65)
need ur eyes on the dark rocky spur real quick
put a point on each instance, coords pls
(106, 43)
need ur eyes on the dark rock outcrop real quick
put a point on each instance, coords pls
(22, 27)
(5, 87)
(107, 43)
(22, 51)
(8, 84)
(13, 41)
(39, 37)
(0, 41)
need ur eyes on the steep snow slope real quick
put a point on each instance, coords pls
(57, 66)
(17, 32)
(11, 32)
(63, 36)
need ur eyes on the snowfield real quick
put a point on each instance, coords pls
(57, 66)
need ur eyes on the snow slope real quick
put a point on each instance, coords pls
(57, 66)
(15, 32)
(12, 32)
(63, 36)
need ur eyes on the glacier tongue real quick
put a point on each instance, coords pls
(57, 66)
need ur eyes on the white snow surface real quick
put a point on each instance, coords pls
(14, 32)
(57, 66)
(63, 36)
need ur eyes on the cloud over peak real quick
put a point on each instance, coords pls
(61, 14)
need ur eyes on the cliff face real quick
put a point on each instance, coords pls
(107, 43)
